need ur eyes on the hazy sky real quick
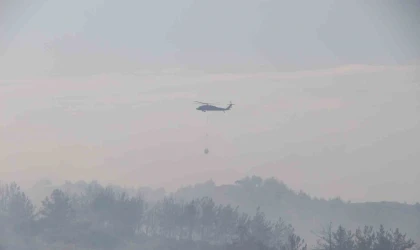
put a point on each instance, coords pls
(327, 93)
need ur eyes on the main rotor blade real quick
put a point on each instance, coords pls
(206, 103)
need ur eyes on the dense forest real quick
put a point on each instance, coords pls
(305, 212)
(91, 216)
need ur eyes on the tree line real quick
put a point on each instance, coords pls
(106, 218)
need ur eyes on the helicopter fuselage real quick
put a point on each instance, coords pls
(205, 108)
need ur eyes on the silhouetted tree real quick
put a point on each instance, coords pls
(261, 229)
(168, 212)
(57, 217)
(399, 241)
(190, 217)
(151, 221)
(294, 242)
(343, 239)
(364, 240)
(16, 209)
(230, 224)
(280, 233)
(207, 218)
(325, 241)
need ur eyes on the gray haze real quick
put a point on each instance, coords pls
(327, 93)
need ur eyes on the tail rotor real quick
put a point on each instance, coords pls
(230, 106)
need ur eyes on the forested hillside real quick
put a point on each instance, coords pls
(251, 214)
(306, 213)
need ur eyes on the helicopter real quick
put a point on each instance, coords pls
(210, 107)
